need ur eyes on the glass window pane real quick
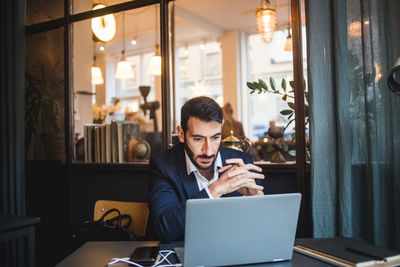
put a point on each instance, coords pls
(240, 54)
(38, 11)
(198, 71)
(44, 97)
(121, 88)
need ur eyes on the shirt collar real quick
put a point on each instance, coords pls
(190, 167)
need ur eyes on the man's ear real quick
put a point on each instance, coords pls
(181, 134)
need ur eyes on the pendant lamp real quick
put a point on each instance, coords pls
(288, 43)
(155, 61)
(124, 68)
(97, 77)
(266, 20)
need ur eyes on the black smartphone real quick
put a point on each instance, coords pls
(145, 256)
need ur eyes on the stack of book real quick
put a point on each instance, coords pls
(109, 143)
(348, 252)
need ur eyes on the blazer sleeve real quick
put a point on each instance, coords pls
(247, 158)
(167, 202)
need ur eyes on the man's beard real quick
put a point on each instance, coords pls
(193, 160)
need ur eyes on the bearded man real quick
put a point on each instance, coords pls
(197, 167)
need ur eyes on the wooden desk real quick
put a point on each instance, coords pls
(13, 227)
(100, 253)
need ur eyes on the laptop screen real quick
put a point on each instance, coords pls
(240, 230)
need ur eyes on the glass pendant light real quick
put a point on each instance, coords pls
(266, 21)
(288, 43)
(124, 68)
(155, 61)
(97, 77)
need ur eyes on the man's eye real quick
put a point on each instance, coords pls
(197, 139)
(216, 137)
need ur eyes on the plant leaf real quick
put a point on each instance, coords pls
(251, 85)
(284, 97)
(286, 112)
(291, 105)
(270, 148)
(291, 84)
(263, 84)
(283, 85)
(285, 147)
(272, 83)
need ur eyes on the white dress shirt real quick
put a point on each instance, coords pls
(203, 182)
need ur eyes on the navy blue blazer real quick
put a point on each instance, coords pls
(170, 186)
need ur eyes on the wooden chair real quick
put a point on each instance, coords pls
(139, 211)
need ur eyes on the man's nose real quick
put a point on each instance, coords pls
(207, 149)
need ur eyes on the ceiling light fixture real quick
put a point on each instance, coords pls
(97, 77)
(124, 68)
(288, 43)
(104, 27)
(134, 41)
(266, 20)
(155, 61)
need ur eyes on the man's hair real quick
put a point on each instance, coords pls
(203, 108)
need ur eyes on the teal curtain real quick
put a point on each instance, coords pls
(355, 119)
(12, 117)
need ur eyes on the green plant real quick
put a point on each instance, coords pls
(287, 95)
(41, 107)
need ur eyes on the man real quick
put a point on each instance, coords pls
(197, 167)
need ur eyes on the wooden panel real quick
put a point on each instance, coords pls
(139, 212)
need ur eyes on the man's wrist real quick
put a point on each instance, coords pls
(214, 190)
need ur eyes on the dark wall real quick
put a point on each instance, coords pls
(47, 194)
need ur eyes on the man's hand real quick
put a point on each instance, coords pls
(237, 177)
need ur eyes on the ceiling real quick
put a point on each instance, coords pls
(195, 21)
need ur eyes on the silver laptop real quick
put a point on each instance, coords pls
(240, 230)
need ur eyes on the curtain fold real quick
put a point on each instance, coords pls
(355, 119)
(12, 117)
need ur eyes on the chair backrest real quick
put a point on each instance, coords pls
(139, 211)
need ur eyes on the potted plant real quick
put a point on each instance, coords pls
(287, 95)
(42, 95)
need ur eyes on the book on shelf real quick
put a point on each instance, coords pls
(109, 143)
(89, 142)
(348, 252)
(129, 131)
(114, 142)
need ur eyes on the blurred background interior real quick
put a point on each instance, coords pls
(216, 47)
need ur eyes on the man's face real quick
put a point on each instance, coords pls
(202, 140)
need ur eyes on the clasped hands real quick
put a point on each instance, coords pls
(237, 177)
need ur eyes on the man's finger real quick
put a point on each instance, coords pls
(237, 161)
(225, 168)
(250, 185)
(241, 171)
(242, 182)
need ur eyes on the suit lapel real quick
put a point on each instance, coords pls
(189, 181)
